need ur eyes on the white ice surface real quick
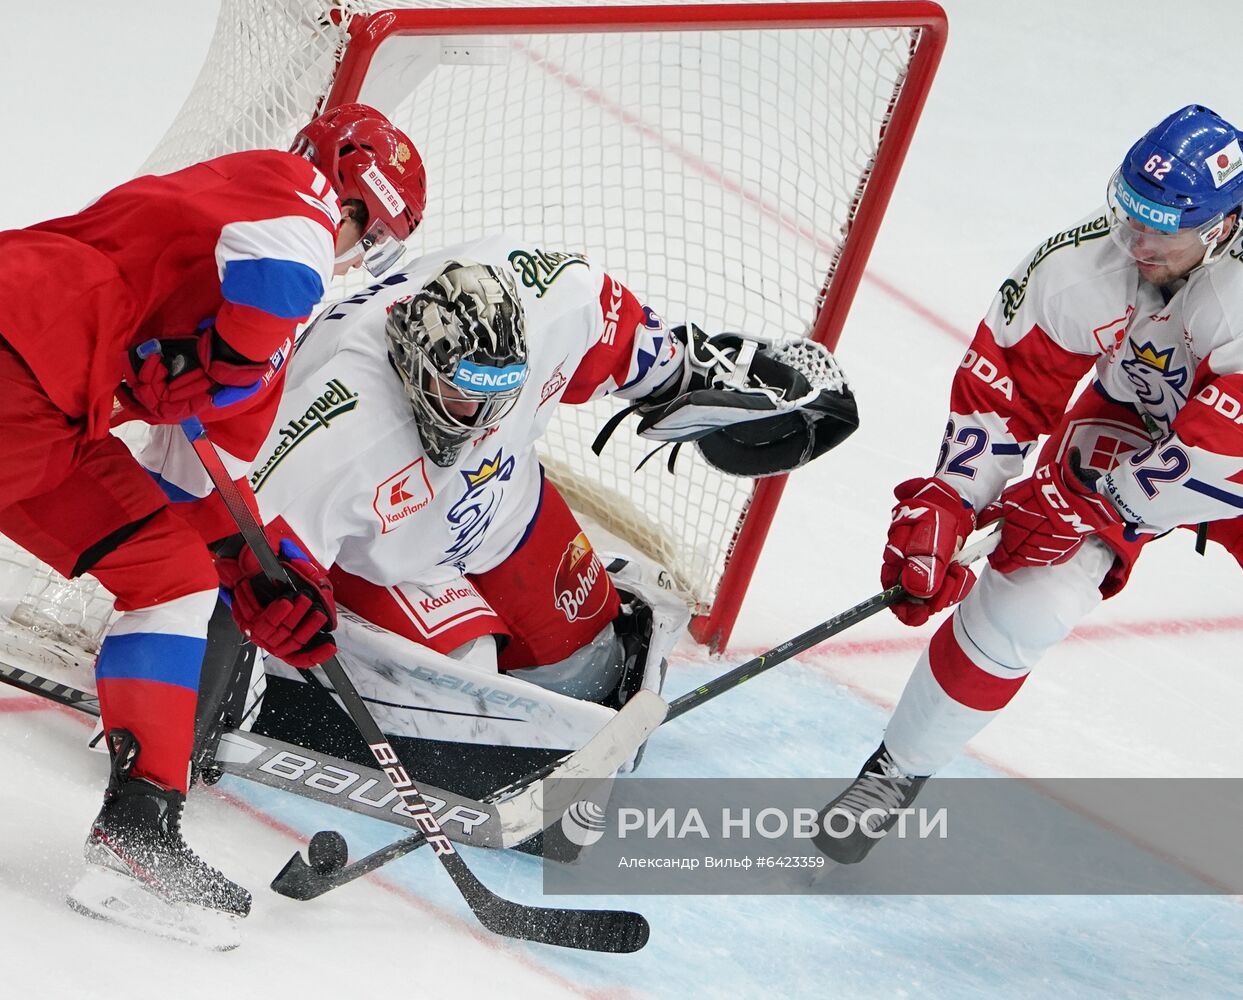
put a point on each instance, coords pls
(1033, 106)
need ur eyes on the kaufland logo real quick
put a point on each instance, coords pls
(450, 595)
(1226, 162)
(399, 493)
(404, 493)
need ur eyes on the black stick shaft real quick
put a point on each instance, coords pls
(779, 654)
(679, 706)
(595, 930)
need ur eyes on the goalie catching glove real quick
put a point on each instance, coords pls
(293, 621)
(752, 408)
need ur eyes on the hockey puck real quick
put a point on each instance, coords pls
(327, 852)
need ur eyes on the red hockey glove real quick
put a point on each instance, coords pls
(168, 381)
(1048, 516)
(930, 521)
(294, 623)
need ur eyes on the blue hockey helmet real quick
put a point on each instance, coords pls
(1184, 176)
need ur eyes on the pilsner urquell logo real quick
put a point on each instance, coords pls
(335, 400)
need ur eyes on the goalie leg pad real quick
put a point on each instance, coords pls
(591, 672)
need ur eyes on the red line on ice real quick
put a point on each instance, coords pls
(25, 704)
(444, 917)
(1084, 633)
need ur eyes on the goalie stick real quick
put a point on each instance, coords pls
(591, 930)
(520, 806)
(505, 818)
(300, 880)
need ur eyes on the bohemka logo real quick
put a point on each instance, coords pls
(327, 406)
(540, 268)
(574, 585)
(405, 492)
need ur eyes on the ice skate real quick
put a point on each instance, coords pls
(141, 873)
(852, 824)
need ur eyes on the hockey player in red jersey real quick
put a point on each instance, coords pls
(1149, 292)
(171, 296)
(404, 456)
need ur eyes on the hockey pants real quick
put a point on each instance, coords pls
(84, 505)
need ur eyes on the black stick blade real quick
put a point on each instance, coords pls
(618, 932)
(300, 881)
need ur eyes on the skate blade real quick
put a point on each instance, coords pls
(119, 899)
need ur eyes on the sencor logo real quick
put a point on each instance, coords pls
(489, 379)
(1149, 212)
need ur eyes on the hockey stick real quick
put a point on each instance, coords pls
(300, 880)
(814, 635)
(591, 930)
(61, 694)
(256, 757)
(504, 818)
(520, 806)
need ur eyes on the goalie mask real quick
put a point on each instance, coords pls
(461, 352)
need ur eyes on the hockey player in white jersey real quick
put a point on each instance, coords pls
(403, 457)
(1149, 293)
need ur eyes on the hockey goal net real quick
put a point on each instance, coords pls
(730, 163)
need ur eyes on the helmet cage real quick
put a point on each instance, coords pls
(459, 349)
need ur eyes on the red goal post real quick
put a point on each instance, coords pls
(731, 163)
(869, 199)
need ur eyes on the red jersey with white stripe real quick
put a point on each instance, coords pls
(344, 465)
(1175, 354)
(246, 241)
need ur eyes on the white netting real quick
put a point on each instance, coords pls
(713, 171)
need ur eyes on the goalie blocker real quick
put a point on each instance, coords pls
(753, 408)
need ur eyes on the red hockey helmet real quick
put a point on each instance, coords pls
(365, 156)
